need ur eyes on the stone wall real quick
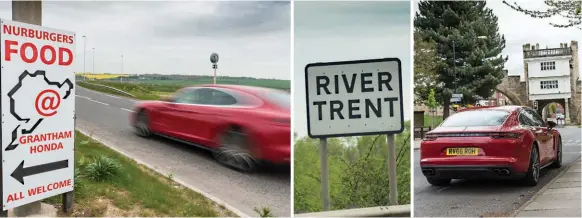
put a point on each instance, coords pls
(514, 90)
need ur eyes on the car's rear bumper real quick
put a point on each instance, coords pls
(471, 171)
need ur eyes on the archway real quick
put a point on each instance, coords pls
(549, 108)
(513, 99)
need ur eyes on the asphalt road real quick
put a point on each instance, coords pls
(485, 198)
(107, 118)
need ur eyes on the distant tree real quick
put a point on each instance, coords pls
(570, 10)
(432, 104)
(478, 60)
(426, 63)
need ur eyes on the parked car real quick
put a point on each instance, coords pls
(243, 126)
(505, 142)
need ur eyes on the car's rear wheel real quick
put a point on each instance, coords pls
(141, 125)
(438, 181)
(533, 172)
(558, 162)
(234, 151)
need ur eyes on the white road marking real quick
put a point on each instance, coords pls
(98, 102)
(442, 189)
(128, 110)
(113, 96)
(82, 96)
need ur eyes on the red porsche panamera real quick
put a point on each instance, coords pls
(242, 125)
(507, 142)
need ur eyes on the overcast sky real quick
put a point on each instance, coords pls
(251, 38)
(341, 31)
(520, 29)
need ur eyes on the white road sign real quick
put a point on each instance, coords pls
(353, 98)
(38, 112)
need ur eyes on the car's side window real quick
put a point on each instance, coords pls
(526, 119)
(537, 117)
(532, 118)
(222, 98)
(186, 97)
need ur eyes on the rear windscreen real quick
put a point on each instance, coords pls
(476, 118)
(281, 98)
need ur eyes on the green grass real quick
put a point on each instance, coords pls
(268, 83)
(432, 120)
(140, 92)
(134, 190)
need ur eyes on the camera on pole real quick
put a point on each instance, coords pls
(214, 61)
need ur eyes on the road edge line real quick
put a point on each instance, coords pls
(543, 189)
(203, 193)
(110, 95)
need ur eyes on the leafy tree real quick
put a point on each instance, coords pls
(472, 29)
(358, 173)
(432, 104)
(570, 10)
(426, 63)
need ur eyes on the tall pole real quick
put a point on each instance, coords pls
(93, 60)
(392, 181)
(454, 67)
(84, 56)
(121, 69)
(215, 76)
(324, 174)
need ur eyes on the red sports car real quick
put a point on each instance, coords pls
(510, 142)
(242, 125)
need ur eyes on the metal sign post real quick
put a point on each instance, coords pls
(214, 61)
(355, 98)
(393, 182)
(324, 173)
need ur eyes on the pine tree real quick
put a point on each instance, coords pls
(471, 29)
(570, 10)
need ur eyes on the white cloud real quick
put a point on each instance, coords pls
(252, 38)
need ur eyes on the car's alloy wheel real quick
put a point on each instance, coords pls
(558, 162)
(535, 165)
(533, 173)
(141, 125)
(234, 151)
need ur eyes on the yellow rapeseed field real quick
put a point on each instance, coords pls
(101, 75)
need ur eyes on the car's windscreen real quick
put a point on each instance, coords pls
(281, 98)
(476, 118)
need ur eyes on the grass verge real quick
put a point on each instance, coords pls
(141, 93)
(110, 184)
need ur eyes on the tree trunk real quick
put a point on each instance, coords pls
(446, 108)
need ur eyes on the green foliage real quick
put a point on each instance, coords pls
(562, 9)
(103, 169)
(358, 173)
(478, 60)
(432, 103)
(426, 64)
(263, 212)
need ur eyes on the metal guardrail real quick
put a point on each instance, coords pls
(109, 87)
(384, 211)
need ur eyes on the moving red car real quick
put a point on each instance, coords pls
(242, 125)
(507, 142)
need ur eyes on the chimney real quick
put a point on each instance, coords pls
(526, 47)
(566, 45)
(537, 46)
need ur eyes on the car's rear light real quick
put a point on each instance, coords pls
(504, 135)
(430, 137)
(281, 121)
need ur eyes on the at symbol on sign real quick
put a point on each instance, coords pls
(47, 102)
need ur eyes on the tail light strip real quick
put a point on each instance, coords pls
(494, 135)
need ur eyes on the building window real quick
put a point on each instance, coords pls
(549, 84)
(548, 65)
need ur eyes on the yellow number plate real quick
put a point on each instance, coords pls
(463, 151)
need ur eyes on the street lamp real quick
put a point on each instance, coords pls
(121, 69)
(84, 56)
(93, 60)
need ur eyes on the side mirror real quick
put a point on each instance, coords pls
(551, 124)
(167, 98)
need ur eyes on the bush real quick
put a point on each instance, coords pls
(102, 169)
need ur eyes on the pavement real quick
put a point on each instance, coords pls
(561, 197)
(106, 118)
(466, 198)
